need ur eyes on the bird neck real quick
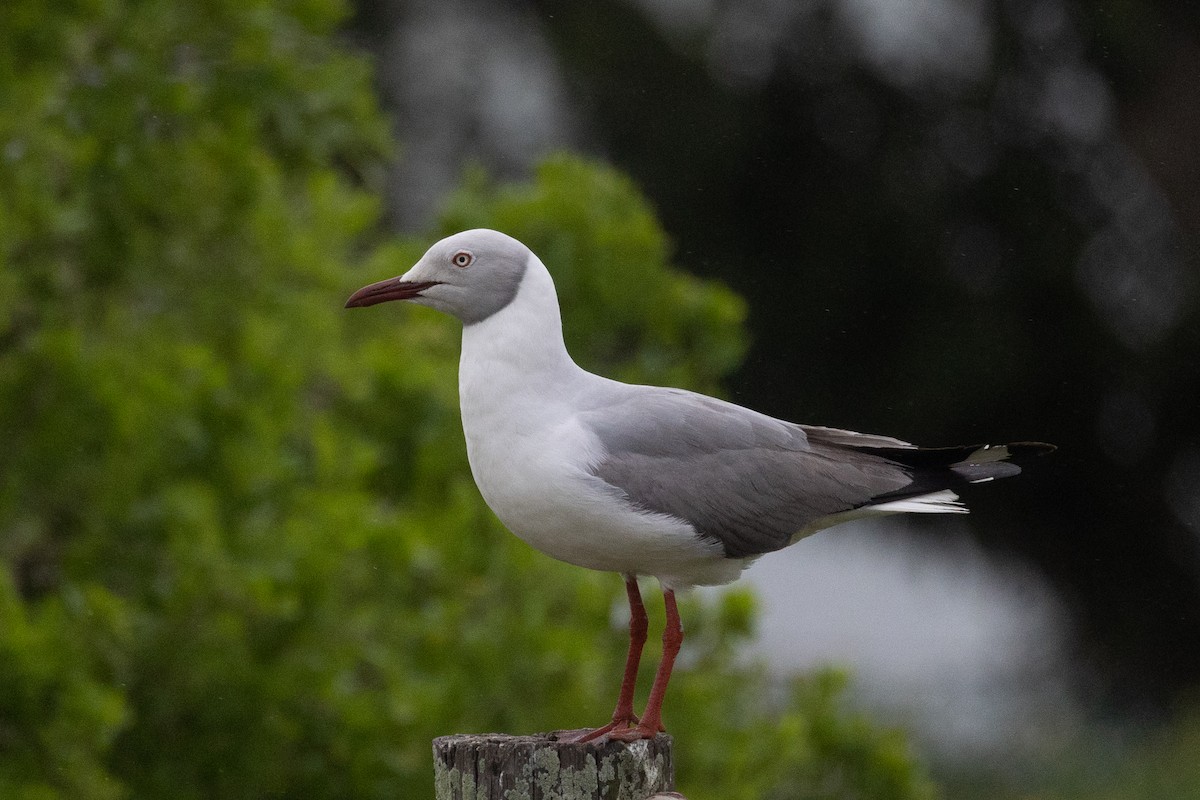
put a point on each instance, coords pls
(520, 348)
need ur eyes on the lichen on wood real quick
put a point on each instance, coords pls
(543, 767)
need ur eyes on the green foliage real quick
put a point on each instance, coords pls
(234, 518)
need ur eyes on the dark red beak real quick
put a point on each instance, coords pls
(391, 289)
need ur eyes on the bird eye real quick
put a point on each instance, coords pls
(462, 259)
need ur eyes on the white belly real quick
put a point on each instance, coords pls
(536, 481)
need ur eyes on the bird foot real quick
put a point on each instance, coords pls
(625, 729)
(635, 733)
(605, 732)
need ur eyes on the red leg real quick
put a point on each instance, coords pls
(651, 722)
(638, 626)
(623, 716)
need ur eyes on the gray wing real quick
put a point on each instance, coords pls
(746, 480)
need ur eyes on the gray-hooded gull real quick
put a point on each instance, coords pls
(642, 480)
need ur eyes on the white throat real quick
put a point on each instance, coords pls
(515, 354)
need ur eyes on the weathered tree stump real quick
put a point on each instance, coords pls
(541, 767)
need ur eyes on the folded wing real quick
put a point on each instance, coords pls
(754, 483)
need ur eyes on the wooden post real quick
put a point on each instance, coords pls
(498, 767)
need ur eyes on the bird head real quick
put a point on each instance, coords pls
(470, 275)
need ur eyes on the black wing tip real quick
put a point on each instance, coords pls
(957, 454)
(1023, 449)
(981, 473)
(936, 468)
(1006, 467)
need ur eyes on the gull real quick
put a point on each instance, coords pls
(645, 480)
